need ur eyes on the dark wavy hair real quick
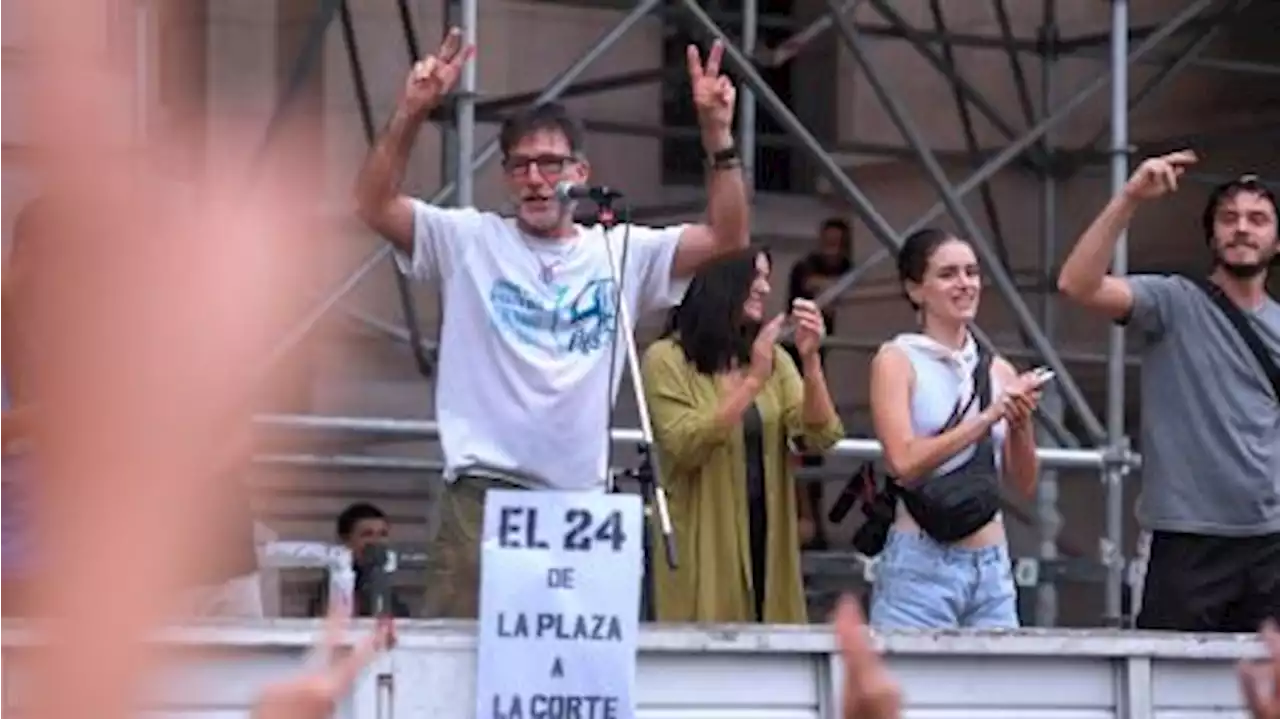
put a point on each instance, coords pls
(709, 324)
(536, 118)
(914, 255)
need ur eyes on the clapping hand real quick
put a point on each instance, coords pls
(762, 350)
(713, 93)
(1021, 398)
(810, 327)
(435, 75)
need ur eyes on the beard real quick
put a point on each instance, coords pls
(1243, 270)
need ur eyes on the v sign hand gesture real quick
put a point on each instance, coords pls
(435, 75)
(713, 93)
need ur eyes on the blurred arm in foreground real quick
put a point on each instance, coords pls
(870, 691)
(315, 693)
(1263, 701)
(160, 299)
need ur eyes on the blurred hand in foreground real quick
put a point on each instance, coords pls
(316, 692)
(1260, 681)
(870, 692)
(159, 288)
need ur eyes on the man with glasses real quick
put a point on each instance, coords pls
(523, 393)
(1210, 403)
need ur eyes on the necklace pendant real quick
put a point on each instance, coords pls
(548, 275)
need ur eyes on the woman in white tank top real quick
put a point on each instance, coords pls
(949, 436)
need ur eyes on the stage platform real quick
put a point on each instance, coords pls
(733, 672)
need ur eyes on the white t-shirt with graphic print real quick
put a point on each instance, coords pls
(525, 340)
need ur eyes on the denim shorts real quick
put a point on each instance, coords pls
(923, 584)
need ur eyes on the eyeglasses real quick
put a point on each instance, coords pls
(548, 165)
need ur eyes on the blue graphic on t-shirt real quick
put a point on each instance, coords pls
(581, 323)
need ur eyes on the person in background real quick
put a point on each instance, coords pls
(726, 400)
(359, 525)
(819, 270)
(1210, 501)
(812, 275)
(953, 422)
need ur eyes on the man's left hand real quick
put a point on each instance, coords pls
(713, 93)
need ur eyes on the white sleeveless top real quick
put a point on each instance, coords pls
(942, 377)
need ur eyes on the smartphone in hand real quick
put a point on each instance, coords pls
(1043, 375)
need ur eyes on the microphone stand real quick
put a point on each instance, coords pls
(646, 474)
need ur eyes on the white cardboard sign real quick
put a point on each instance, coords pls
(559, 605)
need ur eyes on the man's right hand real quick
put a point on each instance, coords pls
(435, 75)
(1159, 176)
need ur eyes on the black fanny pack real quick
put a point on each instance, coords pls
(954, 505)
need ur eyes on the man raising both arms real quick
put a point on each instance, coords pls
(530, 309)
(1210, 415)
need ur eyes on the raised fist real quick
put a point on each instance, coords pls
(1158, 176)
(435, 75)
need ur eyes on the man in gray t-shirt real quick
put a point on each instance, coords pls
(1211, 416)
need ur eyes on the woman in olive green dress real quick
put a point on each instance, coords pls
(729, 407)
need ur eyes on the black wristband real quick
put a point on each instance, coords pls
(724, 159)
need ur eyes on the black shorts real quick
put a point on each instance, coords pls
(1198, 583)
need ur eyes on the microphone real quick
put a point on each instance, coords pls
(376, 565)
(567, 191)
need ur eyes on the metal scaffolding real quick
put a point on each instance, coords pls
(1107, 451)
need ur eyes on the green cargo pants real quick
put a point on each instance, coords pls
(453, 556)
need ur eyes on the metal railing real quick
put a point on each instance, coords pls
(864, 449)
